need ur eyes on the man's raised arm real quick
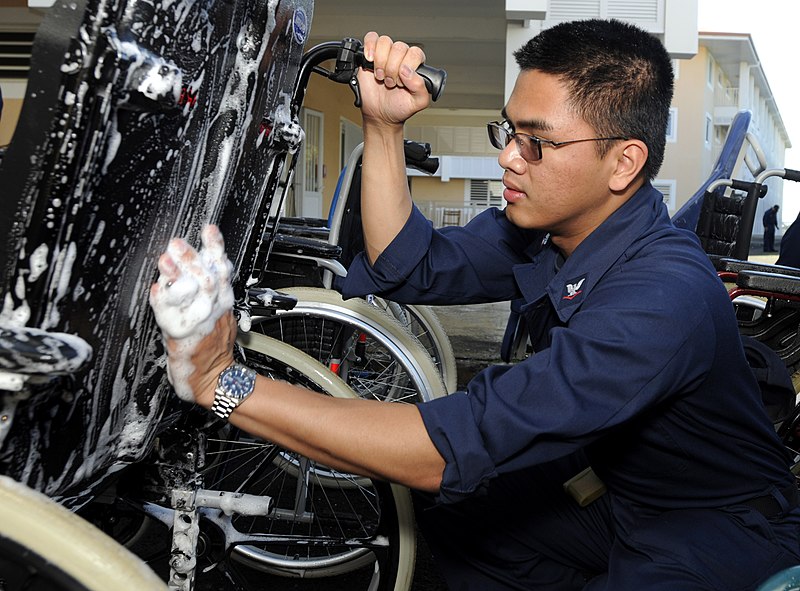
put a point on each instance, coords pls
(391, 93)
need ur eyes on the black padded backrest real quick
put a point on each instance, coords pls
(719, 225)
(725, 227)
(142, 121)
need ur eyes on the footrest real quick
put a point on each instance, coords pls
(32, 351)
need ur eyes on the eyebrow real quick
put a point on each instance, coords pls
(537, 124)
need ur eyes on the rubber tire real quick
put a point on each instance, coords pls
(403, 551)
(432, 331)
(382, 326)
(66, 549)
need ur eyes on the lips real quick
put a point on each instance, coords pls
(511, 194)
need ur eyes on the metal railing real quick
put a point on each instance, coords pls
(446, 213)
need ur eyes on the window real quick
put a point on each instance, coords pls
(312, 150)
(667, 189)
(672, 125)
(709, 135)
(720, 134)
(484, 193)
(710, 71)
(15, 54)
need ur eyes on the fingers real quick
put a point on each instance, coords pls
(213, 254)
(370, 39)
(211, 239)
(193, 286)
(192, 301)
(394, 61)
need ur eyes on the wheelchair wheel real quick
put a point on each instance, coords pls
(376, 356)
(43, 546)
(422, 322)
(351, 531)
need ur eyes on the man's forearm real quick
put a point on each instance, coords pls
(385, 198)
(377, 439)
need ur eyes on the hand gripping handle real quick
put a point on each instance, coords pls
(351, 56)
(435, 78)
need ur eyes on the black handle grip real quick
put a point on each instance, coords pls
(416, 151)
(792, 175)
(435, 78)
(418, 156)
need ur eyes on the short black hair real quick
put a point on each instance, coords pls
(619, 76)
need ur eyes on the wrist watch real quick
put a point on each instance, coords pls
(235, 383)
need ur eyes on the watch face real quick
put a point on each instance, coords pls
(237, 381)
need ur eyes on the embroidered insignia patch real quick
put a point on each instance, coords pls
(573, 289)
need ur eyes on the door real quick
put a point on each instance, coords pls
(311, 170)
(351, 136)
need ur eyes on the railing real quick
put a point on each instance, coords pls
(445, 213)
(726, 96)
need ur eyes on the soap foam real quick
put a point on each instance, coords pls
(192, 292)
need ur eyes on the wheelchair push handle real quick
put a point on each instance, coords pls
(418, 156)
(791, 175)
(435, 78)
(351, 57)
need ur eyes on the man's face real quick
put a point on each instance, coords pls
(566, 192)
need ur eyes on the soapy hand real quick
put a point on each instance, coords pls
(192, 302)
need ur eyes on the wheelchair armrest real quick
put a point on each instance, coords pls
(769, 282)
(728, 265)
(316, 232)
(303, 222)
(300, 245)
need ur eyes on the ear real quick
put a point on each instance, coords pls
(631, 158)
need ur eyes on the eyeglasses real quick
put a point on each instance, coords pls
(530, 146)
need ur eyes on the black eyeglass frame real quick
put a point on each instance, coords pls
(499, 130)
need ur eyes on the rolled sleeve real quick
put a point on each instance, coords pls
(394, 264)
(450, 422)
(466, 265)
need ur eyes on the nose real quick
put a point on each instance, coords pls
(510, 158)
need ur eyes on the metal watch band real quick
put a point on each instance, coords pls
(234, 384)
(223, 406)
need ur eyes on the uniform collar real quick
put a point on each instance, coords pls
(569, 283)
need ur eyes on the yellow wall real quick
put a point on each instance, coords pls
(433, 189)
(11, 108)
(689, 159)
(336, 101)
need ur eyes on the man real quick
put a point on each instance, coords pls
(790, 249)
(638, 367)
(770, 221)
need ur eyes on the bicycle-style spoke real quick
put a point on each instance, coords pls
(363, 363)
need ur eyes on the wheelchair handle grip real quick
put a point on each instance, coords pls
(791, 175)
(435, 78)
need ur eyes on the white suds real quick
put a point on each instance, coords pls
(192, 292)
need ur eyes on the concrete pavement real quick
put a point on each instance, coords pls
(476, 332)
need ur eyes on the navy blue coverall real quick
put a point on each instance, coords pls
(638, 371)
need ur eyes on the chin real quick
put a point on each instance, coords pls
(518, 218)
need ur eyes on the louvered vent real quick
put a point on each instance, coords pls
(15, 54)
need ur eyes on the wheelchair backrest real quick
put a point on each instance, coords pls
(142, 121)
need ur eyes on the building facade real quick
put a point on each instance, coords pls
(723, 78)
(716, 75)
